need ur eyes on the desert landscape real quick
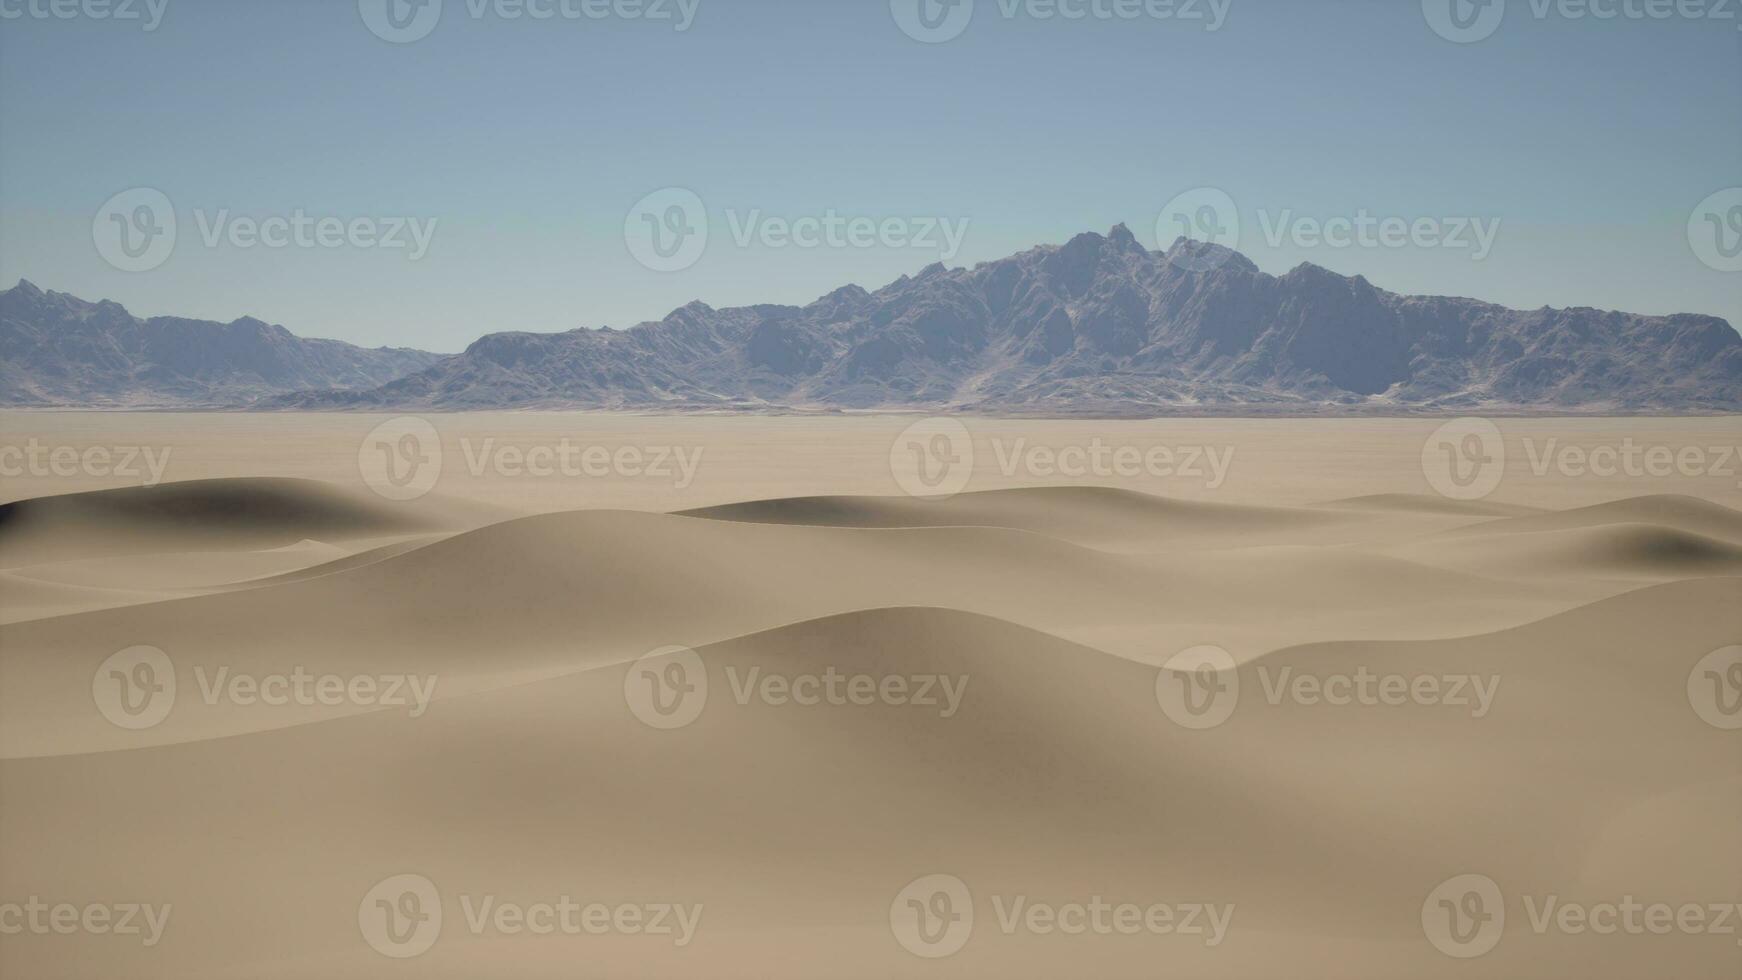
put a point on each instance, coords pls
(923, 489)
(1210, 698)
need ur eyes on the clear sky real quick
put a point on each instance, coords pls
(528, 141)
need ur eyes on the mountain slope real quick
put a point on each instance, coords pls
(1097, 326)
(58, 350)
(1101, 325)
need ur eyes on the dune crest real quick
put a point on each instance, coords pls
(787, 710)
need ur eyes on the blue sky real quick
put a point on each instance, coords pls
(529, 141)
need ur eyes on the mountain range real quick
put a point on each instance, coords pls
(59, 351)
(1096, 326)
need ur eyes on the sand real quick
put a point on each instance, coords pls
(739, 706)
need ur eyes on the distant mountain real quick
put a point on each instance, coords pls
(1100, 326)
(60, 351)
(1097, 326)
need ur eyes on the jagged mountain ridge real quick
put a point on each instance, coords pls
(1096, 326)
(58, 350)
(1101, 325)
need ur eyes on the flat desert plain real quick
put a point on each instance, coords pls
(595, 695)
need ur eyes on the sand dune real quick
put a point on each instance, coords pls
(366, 556)
(817, 815)
(1427, 504)
(204, 515)
(184, 571)
(544, 594)
(1680, 512)
(23, 598)
(1094, 516)
(1033, 744)
(1626, 551)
